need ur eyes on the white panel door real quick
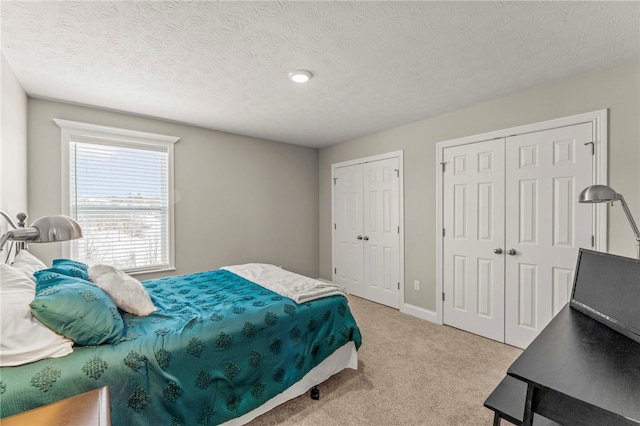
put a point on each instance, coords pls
(473, 220)
(381, 238)
(545, 226)
(348, 232)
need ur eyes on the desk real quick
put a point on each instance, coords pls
(89, 408)
(579, 371)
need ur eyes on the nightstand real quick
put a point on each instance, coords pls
(89, 408)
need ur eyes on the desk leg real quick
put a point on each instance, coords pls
(528, 406)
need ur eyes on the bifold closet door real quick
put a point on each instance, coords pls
(366, 211)
(348, 229)
(381, 240)
(545, 225)
(513, 227)
(473, 217)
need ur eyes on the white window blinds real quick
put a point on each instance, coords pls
(120, 192)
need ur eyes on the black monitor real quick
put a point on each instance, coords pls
(606, 287)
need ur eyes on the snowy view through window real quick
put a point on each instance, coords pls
(119, 196)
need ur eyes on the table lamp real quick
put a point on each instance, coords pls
(44, 230)
(605, 194)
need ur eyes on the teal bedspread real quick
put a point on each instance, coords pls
(218, 347)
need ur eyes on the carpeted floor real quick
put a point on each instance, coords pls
(410, 372)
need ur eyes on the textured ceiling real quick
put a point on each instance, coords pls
(376, 65)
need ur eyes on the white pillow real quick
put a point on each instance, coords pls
(23, 338)
(28, 263)
(127, 292)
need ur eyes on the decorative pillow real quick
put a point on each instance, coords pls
(126, 291)
(49, 277)
(76, 309)
(24, 339)
(28, 264)
(70, 268)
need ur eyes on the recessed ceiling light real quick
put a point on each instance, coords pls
(300, 76)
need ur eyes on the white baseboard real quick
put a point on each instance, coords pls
(414, 311)
(419, 312)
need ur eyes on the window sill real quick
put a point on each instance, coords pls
(150, 271)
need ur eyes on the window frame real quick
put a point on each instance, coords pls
(75, 131)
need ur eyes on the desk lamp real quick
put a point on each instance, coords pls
(605, 194)
(44, 230)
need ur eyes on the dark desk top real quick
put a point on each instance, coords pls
(585, 360)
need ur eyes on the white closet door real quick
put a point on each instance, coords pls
(545, 226)
(348, 217)
(473, 220)
(381, 231)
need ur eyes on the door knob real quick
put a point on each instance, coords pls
(359, 237)
(366, 238)
(498, 251)
(511, 252)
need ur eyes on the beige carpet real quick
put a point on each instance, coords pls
(410, 372)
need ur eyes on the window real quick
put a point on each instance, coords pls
(118, 185)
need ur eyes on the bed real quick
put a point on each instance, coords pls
(219, 349)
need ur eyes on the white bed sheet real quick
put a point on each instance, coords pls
(296, 287)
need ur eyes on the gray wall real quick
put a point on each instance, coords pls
(238, 199)
(617, 89)
(241, 199)
(13, 144)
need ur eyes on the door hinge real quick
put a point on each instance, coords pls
(444, 166)
(444, 232)
(593, 147)
(334, 226)
(397, 172)
(335, 270)
(398, 229)
(593, 241)
(443, 296)
(335, 180)
(398, 286)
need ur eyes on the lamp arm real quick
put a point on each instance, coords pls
(4, 240)
(629, 217)
(5, 237)
(6, 216)
(20, 234)
(632, 223)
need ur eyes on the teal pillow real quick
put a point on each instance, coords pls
(71, 268)
(77, 309)
(53, 276)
